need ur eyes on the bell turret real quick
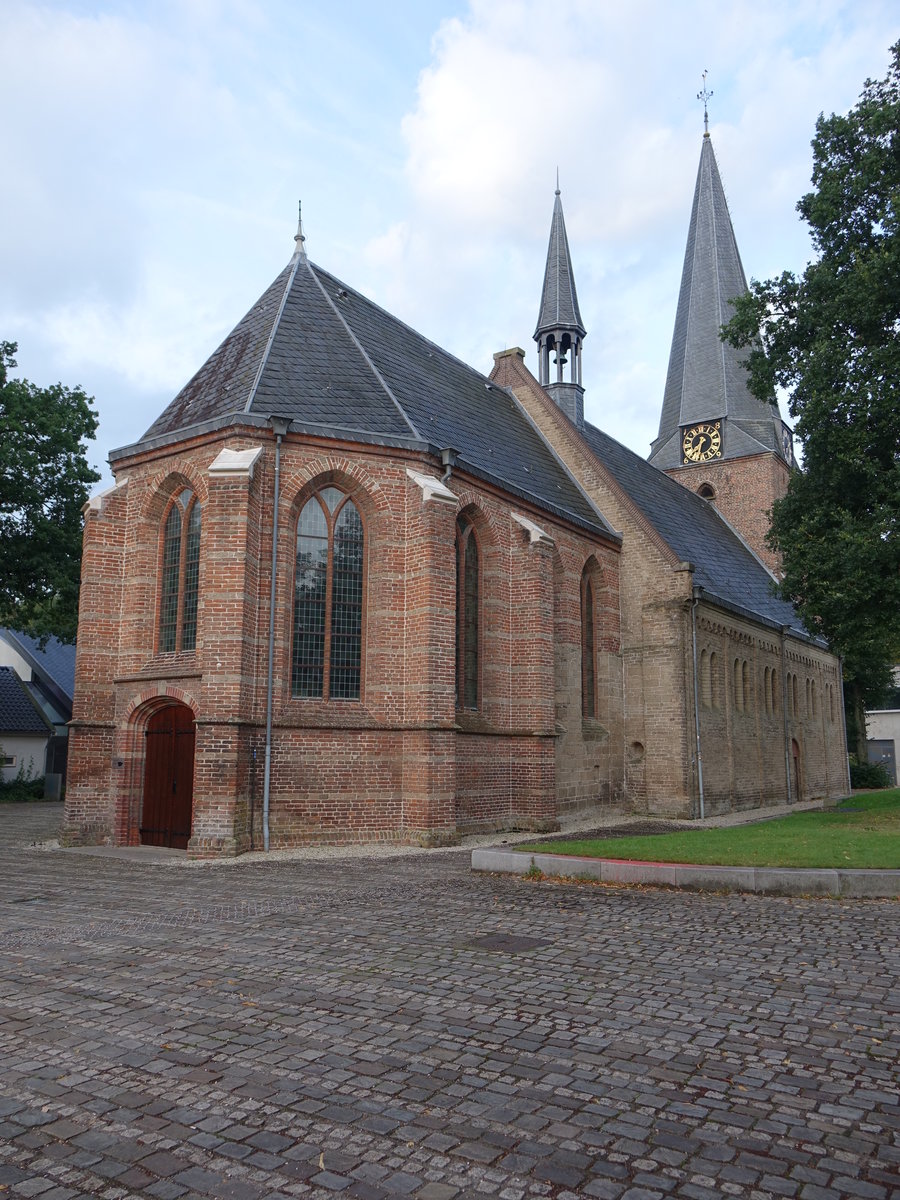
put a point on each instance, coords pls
(560, 332)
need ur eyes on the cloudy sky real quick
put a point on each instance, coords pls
(154, 152)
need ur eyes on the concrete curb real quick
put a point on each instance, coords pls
(782, 881)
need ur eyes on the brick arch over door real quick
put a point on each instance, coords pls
(168, 777)
(132, 744)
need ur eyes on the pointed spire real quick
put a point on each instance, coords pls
(299, 237)
(559, 301)
(560, 330)
(706, 379)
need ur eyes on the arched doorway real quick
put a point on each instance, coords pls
(168, 778)
(795, 768)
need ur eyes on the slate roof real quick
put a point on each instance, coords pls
(559, 300)
(54, 663)
(706, 379)
(18, 714)
(724, 566)
(316, 351)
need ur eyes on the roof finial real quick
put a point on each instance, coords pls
(557, 181)
(298, 236)
(705, 97)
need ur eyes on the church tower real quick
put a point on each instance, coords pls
(715, 436)
(560, 331)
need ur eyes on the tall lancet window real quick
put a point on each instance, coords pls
(588, 659)
(328, 599)
(467, 605)
(180, 574)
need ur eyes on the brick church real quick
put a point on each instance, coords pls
(348, 588)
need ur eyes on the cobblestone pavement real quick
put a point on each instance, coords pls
(403, 1028)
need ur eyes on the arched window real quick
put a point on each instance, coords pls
(180, 574)
(795, 697)
(767, 689)
(706, 491)
(738, 687)
(745, 685)
(774, 690)
(328, 599)
(467, 606)
(714, 679)
(588, 654)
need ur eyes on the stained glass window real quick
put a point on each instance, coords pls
(328, 599)
(467, 604)
(179, 590)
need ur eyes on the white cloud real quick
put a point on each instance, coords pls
(156, 152)
(607, 93)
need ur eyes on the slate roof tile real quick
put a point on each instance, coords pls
(18, 714)
(559, 300)
(706, 378)
(316, 351)
(55, 660)
(723, 565)
(224, 381)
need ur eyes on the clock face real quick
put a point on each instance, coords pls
(700, 443)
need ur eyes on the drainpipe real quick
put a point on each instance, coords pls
(448, 462)
(280, 427)
(696, 593)
(784, 709)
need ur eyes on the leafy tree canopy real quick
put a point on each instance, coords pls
(831, 338)
(44, 482)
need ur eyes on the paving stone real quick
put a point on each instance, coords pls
(330, 1181)
(309, 1028)
(361, 1190)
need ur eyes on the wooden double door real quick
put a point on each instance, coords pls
(168, 778)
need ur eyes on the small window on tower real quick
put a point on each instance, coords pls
(706, 491)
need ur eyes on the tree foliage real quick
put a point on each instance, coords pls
(44, 482)
(831, 338)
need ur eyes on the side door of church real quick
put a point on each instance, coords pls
(168, 778)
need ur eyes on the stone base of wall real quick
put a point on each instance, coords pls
(85, 835)
(213, 847)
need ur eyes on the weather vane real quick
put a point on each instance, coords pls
(299, 237)
(705, 97)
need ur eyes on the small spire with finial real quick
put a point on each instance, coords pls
(705, 96)
(299, 237)
(557, 181)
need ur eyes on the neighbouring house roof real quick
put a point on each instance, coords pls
(53, 667)
(18, 713)
(559, 301)
(316, 351)
(706, 379)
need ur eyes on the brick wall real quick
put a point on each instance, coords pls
(745, 490)
(402, 762)
(653, 730)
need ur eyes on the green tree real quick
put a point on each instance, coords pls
(831, 339)
(44, 482)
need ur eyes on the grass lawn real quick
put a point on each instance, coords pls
(863, 831)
